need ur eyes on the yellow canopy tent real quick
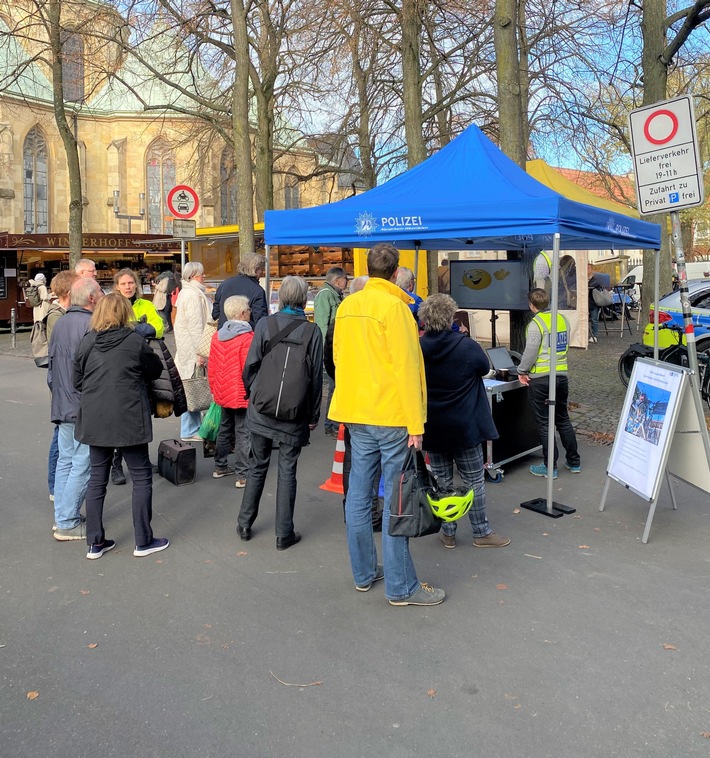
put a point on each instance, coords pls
(547, 175)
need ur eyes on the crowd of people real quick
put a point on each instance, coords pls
(399, 374)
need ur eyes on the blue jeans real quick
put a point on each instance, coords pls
(372, 447)
(190, 423)
(594, 318)
(52, 459)
(469, 462)
(72, 478)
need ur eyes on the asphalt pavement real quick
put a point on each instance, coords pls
(575, 640)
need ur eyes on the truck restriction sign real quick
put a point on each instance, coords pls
(666, 156)
(183, 201)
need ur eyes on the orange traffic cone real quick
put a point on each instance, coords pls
(335, 482)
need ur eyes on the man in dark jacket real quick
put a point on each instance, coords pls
(251, 267)
(265, 429)
(73, 467)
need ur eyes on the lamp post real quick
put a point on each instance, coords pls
(125, 216)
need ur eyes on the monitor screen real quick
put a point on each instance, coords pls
(489, 285)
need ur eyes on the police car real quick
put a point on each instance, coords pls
(670, 314)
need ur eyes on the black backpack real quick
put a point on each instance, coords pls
(282, 387)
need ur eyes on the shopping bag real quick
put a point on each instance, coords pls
(410, 512)
(211, 422)
(602, 298)
(205, 344)
(197, 391)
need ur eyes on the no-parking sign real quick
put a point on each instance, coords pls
(664, 145)
(183, 201)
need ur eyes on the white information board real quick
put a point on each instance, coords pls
(646, 427)
(666, 157)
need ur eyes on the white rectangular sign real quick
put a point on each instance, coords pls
(664, 147)
(184, 228)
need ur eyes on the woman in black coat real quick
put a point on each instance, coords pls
(459, 417)
(111, 370)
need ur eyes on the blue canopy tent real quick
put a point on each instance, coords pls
(467, 196)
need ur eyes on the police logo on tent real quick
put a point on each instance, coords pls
(365, 224)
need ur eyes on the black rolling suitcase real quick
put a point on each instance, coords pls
(177, 462)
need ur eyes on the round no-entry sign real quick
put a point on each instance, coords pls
(660, 127)
(183, 201)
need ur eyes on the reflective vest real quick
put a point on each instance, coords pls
(544, 324)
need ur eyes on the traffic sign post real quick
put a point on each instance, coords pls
(666, 158)
(183, 201)
(669, 177)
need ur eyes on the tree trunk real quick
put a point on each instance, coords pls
(71, 148)
(411, 81)
(264, 156)
(240, 125)
(655, 81)
(511, 123)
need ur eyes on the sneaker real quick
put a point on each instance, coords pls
(51, 496)
(194, 438)
(576, 469)
(155, 547)
(96, 551)
(333, 433)
(491, 540)
(448, 540)
(425, 595)
(541, 470)
(240, 484)
(77, 532)
(218, 473)
(593, 339)
(117, 476)
(379, 576)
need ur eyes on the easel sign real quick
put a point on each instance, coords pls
(658, 433)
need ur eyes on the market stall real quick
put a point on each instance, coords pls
(468, 195)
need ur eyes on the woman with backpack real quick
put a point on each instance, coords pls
(283, 377)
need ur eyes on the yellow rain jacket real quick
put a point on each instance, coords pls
(379, 368)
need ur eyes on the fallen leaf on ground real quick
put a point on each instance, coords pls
(432, 692)
(32, 695)
(501, 586)
(584, 547)
(545, 534)
(242, 552)
(92, 645)
(289, 684)
(668, 646)
(705, 734)
(516, 510)
(83, 592)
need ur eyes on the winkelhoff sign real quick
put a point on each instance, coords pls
(90, 241)
(367, 224)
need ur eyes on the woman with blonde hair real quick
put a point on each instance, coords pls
(112, 368)
(193, 310)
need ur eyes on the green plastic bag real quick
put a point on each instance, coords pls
(211, 422)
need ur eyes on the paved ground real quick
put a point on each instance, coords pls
(576, 640)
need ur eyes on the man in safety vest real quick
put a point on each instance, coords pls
(542, 271)
(534, 371)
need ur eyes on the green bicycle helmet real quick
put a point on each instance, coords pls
(451, 505)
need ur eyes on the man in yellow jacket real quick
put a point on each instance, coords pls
(380, 393)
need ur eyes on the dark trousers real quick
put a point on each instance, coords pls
(538, 391)
(233, 431)
(328, 424)
(285, 486)
(52, 459)
(141, 471)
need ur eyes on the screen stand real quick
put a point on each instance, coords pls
(539, 505)
(494, 318)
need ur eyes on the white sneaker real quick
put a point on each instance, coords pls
(593, 339)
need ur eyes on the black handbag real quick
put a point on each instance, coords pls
(410, 512)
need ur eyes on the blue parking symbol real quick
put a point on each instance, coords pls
(673, 197)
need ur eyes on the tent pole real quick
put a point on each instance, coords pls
(267, 278)
(546, 506)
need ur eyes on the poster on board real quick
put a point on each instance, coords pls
(646, 426)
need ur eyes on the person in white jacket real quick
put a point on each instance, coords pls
(193, 310)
